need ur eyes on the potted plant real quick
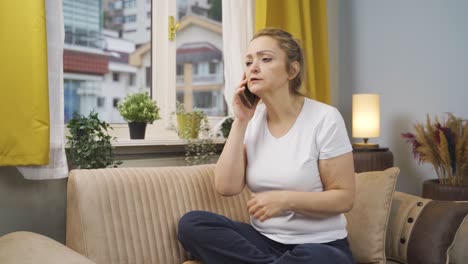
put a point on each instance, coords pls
(89, 144)
(138, 110)
(189, 123)
(444, 145)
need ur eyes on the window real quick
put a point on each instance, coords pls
(131, 79)
(212, 67)
(203, 53)
(117, 5)
(203, 99)
(130, 18)
(103, 81)
(101, 101)
(115, 102)
(180, 69)
(129, 3)
(100, 47)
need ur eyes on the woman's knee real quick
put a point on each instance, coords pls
(192, 224)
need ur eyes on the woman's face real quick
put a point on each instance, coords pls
(265, 66)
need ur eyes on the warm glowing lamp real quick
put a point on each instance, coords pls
(366, 119)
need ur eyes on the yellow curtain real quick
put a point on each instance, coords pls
(24, 102)
(307, 21)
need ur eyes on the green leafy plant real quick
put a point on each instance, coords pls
(89, 142)
(444, 145)
(139, 107)
(226, 126)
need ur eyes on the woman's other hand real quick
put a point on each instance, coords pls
(266, 205)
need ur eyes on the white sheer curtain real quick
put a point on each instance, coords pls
(238, 27)
(57, 167)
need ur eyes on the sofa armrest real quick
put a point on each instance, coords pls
(27, 247)
(426, 231)
(458, 252)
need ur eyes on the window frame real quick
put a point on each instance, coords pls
(163, 52)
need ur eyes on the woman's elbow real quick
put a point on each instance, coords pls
(348, 203)
(225, 190)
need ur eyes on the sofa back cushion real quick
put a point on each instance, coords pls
(130, 215)
(367, 221)
(422, 231)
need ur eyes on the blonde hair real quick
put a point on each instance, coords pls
(294, 52)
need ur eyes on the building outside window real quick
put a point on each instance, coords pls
(108, 55)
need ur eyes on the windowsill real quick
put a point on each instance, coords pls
(156, 146)
(159, 140)
(126, 142)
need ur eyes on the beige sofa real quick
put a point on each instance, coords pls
(130, 215)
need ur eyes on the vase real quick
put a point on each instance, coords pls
(432, 189)
(137, 130)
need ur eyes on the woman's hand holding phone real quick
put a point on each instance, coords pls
(244, 102)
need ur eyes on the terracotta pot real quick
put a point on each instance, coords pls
(432, 189)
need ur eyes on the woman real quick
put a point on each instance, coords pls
(295, 156)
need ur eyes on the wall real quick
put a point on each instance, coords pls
(37, 206)
(414, 54)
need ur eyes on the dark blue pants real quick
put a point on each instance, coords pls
(215, 239)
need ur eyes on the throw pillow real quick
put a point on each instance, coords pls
(423, 230)
(367, 221)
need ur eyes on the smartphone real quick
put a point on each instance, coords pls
(249, 97)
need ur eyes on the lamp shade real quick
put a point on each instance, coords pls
(366, 115)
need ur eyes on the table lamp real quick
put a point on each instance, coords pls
(366, 119)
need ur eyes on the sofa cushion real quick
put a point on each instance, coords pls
(367, 221)
(423, 229)
(26, 247)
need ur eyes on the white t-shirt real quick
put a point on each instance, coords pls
(291, 163)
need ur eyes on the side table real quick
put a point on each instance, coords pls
(372, 159)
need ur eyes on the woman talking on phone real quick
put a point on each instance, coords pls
(295, 156)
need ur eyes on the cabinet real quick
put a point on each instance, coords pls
(372, 159)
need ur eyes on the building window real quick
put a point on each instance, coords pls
(203, 99)
(195, 69)
(131, 79)
(129, 3)
(101, 101)
(95, 78)
(130, 18)
(212, 67)
(180, 69)
(115, 102)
